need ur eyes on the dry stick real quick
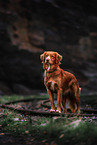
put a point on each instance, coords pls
(30, 112)
(44, 113)
(89, 110)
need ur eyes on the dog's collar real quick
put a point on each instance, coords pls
(57, 64)
(51, 71)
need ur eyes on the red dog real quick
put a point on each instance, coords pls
(61, 82)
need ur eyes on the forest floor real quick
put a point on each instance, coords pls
(19, 129)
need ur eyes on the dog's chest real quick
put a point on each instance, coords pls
(53, 80)
(52, 85)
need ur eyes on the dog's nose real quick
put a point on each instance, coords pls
(47, 60)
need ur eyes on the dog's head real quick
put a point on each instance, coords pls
(50, 58)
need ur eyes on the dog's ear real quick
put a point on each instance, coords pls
(42, 56)
(58, 57)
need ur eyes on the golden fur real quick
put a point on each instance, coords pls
(61, 82)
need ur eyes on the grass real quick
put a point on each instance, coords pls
(5, 99)
(85, 133)
(16, 123)
(52, 130)
(57, 129)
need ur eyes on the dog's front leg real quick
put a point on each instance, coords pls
(51, 95)
(59, 100)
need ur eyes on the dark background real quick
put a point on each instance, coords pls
(29, 27)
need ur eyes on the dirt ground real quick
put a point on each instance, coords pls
(9, 139)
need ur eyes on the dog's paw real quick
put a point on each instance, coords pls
(52, 110)
(58, 111)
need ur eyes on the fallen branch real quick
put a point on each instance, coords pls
(84, 110)
(44, 113)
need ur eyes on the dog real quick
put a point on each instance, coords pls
(61, 82)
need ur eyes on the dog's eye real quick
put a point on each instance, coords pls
(46, 55)
(52, 56)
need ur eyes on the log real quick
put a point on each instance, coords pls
(45, 113)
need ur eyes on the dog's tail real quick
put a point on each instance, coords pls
(79, 90)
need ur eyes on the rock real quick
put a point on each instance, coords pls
(29, 28)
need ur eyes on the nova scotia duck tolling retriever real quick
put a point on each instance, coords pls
(61, 82)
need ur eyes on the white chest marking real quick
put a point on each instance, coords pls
(52, 86)
(48, 67)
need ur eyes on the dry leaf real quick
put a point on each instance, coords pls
(53, 143)
(26, 131)
(2, 134)
(44, 140)
(61, 136)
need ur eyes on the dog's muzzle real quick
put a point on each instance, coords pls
(48, 59)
